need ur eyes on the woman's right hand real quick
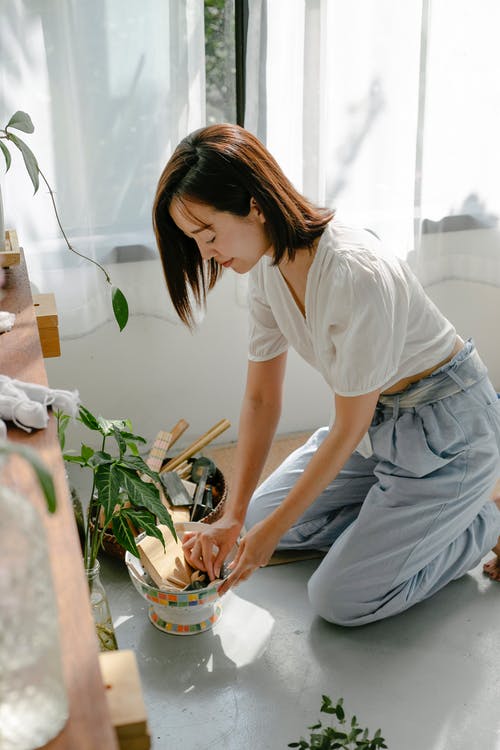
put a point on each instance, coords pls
(208, 548)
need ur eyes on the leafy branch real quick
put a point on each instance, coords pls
(22, 121)
(43, 475)
(340, 738)
(124, 495)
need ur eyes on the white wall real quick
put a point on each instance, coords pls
(474, 309)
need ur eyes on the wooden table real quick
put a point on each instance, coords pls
(89, 725)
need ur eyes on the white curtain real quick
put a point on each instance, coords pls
(111, 86)
(388, 111)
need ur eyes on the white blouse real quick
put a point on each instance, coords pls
(368, 322)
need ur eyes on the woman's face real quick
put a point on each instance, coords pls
(236, 242)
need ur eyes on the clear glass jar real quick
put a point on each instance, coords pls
(100, 610)
(33, 698)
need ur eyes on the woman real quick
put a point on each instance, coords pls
(398, 489)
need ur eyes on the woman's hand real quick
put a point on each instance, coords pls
(207, 549)
(254, 552)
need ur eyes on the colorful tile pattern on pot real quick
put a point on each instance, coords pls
(177, 629)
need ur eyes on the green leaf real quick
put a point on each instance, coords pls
(124, 535)
(120, 307)
(43, 475)
(88, 419)
(6, 153)
(21, 121)
(107, 426)
(122, 445)
(86, 452)
(62, 423)
(138, 464)
(144, 494)
(130, 436)
(98, 458)
(74, 459)
(326, 705)
(107, 483)
(30, 161)
(145, 521)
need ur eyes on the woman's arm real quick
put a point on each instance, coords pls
(353, 416)
(259, 417)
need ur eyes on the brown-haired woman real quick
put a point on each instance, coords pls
(397, 490)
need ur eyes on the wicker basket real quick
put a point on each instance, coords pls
(219, 494)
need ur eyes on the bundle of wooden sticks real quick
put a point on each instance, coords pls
(186, 500)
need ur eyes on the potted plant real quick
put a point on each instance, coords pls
(22, 121)
(124, 497)
(342, 737)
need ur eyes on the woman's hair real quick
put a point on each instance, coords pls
(224, 166)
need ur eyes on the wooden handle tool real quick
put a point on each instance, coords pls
(206, 438)
(176, 431)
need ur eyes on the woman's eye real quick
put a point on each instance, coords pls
(209, 242)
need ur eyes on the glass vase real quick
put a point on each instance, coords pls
(33, 698)
(100, 610)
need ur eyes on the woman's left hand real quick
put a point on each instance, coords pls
(254, 551)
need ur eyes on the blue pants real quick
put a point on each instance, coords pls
(415, 515)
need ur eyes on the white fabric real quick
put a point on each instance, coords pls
(7, 321)
(389, 112)
(25, 404)
(368, 321)
(111, 87)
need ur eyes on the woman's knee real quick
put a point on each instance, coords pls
(342, 597)
(333, 604)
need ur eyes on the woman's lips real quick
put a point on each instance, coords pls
(227, 264)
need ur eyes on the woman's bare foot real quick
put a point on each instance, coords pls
(492, 567)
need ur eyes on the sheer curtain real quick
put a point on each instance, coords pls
(389, 112)
(111, 86)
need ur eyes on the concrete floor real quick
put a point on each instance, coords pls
(429, 678)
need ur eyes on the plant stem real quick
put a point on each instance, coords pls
(92, 535)
(70, 246)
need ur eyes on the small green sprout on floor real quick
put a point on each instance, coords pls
(340, 737)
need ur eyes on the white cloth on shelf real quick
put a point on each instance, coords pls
(7, 321)
(26, 404)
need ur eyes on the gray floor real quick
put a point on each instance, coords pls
(429, 678)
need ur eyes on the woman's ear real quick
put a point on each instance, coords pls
(256, 210)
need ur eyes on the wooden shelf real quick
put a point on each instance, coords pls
(89, 726)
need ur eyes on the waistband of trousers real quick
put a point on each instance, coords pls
(460, 373)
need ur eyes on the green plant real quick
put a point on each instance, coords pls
(22, 121)
(124, 495)
(345, 738)
(43, 475)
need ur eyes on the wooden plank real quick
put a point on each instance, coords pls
(89, 725)
(47, 321)
(124, 693)
(45, 310)
(11, 255)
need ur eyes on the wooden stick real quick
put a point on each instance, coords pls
(176, 431)
(206, 438)
(182, 467)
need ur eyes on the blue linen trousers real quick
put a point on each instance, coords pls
(412, 517)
